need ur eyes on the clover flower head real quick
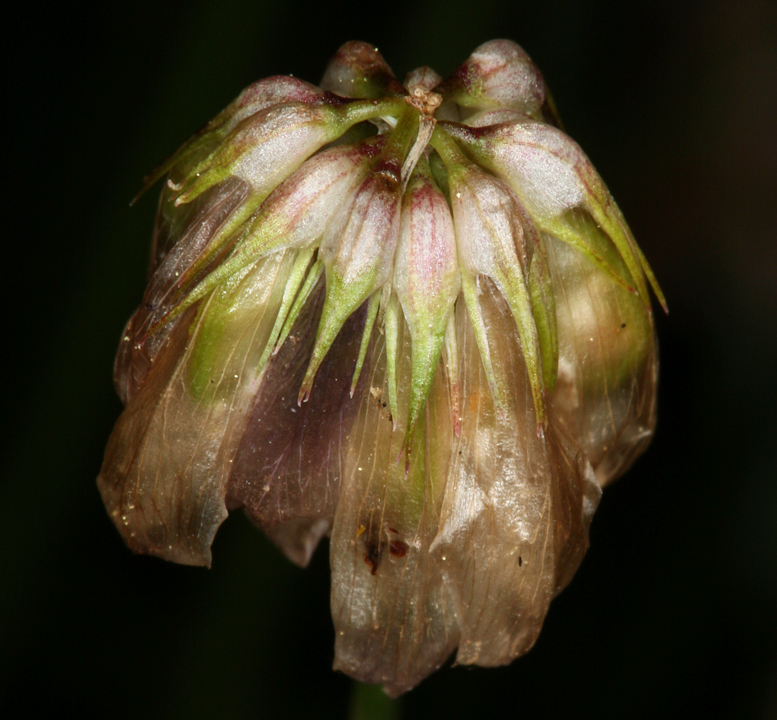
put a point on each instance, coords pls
(407, 316)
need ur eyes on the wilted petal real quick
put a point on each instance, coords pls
(516, 507)
(194, 228)
(289, 463)
(457, 453)
(394, 619)
(358, 70)
(606, 391)
(168, 459)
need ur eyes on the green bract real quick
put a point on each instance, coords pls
(410, 317)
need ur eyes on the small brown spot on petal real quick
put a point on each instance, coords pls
(398, 549)
(372, 557)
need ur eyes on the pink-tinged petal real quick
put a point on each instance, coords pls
(393, 616)
(264, 148)
(516, 507)
(255, 98)
(169, 457)
(264, 94)
(298, 211)
(358, 70)
(490, 240)
(498, 74)
(289, 463)
(606, 390)
(357, 251)
(546, 168)
(494, 117)
(552, 176)
(426, 280)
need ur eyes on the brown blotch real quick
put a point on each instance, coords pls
(398, 549)
(372, 556)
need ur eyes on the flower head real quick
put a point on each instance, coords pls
(410, 317)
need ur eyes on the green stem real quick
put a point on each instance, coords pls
(447, 149)
(369, 702)
(362, 110)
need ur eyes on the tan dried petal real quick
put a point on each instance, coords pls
(606, 390)
(167, 463)
(516, 508)
(394, 619)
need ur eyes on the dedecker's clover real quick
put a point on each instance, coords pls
(411, 318)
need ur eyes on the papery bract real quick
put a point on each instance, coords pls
(410, 317)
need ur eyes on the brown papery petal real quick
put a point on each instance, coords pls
(606, 390)
(169, 456)
(516, 507)
(182, 235)
(289, 463)
(394, 619)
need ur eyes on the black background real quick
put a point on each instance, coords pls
(673, 613)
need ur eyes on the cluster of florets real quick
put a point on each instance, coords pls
(408, 316)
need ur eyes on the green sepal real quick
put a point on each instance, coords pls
(296, 277)
(391, 328)
(313, 276)
(470, 292)
(342, 299)
(369, 323)
(560, 228)
(544, 311)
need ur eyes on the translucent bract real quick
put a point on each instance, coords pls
(410, 317)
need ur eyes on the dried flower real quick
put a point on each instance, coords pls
(411, 317)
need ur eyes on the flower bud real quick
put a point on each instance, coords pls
(498, 74)
(412, 318)
(358, 70)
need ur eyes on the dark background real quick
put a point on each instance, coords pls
(673, 613)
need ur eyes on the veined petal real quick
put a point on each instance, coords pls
(606, 390)
(516, 507)
(295, 215)
(263, 94)
(289, 463)
(265, 148)
(169, 456)
(394, 619)
(255, 98)
(195, 229)
(358, 70)
(426, 280)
